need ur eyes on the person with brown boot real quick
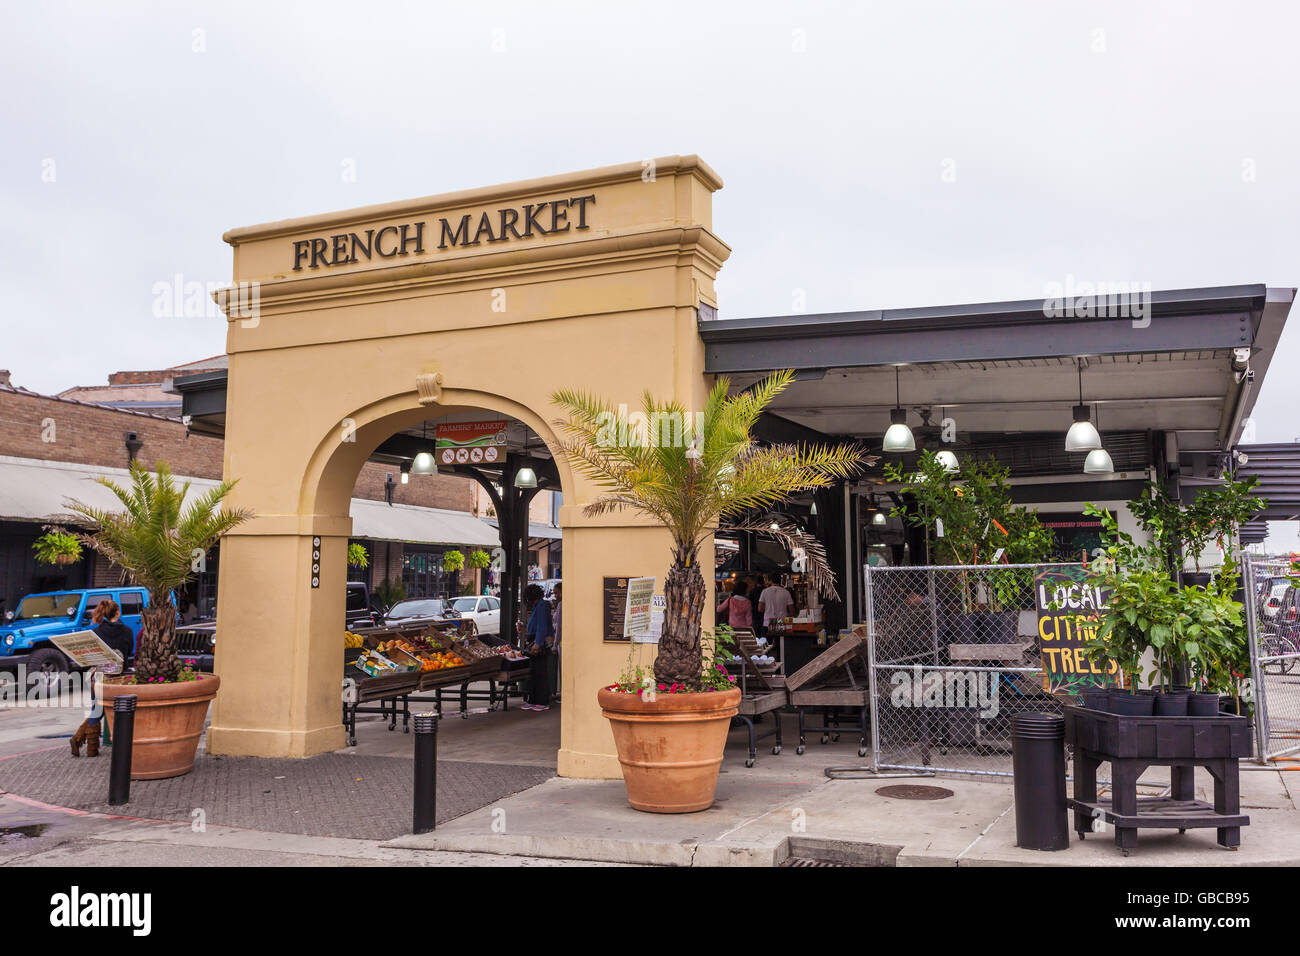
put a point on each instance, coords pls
(109, 629)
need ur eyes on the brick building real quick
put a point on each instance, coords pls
(52, 447)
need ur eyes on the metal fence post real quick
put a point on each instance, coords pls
(119, 776)
(1257, 682)
(425, 812)
(871, 669)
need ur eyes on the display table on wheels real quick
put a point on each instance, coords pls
(1131, 745)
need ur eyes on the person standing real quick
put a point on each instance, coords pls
(555, 645)
(539, 632)
(775, 601)
(737, 607)
(109, 628)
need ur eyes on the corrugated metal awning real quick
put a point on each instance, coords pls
(32, 490)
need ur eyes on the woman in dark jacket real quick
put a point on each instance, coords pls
(539, 631)
(109, 629)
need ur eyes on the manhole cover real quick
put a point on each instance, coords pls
(913, 791)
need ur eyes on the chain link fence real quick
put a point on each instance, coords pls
(1273, 622)
(953, 657)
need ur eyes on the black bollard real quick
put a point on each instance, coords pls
(119, 777)
(426, 773)
(1038, 761)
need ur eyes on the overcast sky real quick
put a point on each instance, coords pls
(875, 155)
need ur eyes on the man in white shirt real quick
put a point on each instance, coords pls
(775, 602)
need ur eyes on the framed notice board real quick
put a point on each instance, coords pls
(613, 599)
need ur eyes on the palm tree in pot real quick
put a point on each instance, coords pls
(159, 541)
(688, 473)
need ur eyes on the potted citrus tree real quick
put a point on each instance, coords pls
(155, 539)
(670, 726)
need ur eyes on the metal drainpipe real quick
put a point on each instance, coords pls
(849, 577)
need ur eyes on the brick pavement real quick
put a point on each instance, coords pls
(337, 794)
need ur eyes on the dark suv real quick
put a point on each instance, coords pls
(358, 612)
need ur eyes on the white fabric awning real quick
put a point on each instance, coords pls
(378, 521)
(32, 490)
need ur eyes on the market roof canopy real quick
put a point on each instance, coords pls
(38, 491)
(1009, 367)
(1277, 468)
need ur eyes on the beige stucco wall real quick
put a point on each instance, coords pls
(327, 370)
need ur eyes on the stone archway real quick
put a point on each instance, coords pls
(349, 336)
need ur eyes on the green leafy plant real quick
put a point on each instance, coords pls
(478, 558)
(702, 474)
(57, 546)
(453, 561)
(390, 591)
(1177, 531)
(974, 508)
(1198, 631)
(357, 556)
(155, 540)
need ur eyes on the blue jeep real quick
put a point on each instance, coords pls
(27, 629)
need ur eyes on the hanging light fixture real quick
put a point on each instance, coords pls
(1082, 435)
(1098, 461)
(877, 516)
(525, 477)
(424, 462)
(898, 438)
(945, 457)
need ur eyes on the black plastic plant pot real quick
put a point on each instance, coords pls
(1095, 698)
(1228, 705)
(1202, 705)
(1132, 705)
(1197, 579)
(1171, 704)
(1038, 763)
(1003, 627)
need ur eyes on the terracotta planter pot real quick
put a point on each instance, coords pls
(168, 723)
(670, 748)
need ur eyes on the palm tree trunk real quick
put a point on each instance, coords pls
(679, 659)
(156, 651)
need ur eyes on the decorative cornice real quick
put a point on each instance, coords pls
(603, 176)
(491, 266)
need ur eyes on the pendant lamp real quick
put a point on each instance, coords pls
(898, 438)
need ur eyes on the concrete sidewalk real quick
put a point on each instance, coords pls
(789, 808)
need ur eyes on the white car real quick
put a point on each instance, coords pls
(483, 609)
(1274, 600)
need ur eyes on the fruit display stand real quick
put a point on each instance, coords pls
(1131, 745)
(430, 657)
(388, 693)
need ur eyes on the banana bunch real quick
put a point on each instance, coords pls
(353, 640)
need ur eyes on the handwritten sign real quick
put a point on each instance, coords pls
(636, 617)
(1069, 612)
